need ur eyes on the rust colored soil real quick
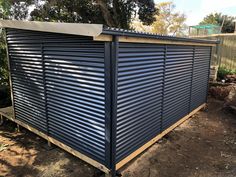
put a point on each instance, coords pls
(204, 146)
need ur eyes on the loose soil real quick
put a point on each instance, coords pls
(204, 146)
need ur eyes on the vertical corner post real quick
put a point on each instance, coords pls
(111, 55)
(107, 71)
(114, 77)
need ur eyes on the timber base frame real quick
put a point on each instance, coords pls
(6, 113)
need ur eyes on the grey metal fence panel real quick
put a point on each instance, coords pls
(74, 73)
(178, 76)
(200, 76)
(24, 49)
(59, 87)
(154, 91)
(139, 96)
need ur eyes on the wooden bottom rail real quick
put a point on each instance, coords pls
(155, 139)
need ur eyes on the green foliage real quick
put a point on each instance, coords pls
(4, 14)
(113, 13)
(223, 71)
(116, 13)
(19, 10)
(5, 98)
(3, 62)
(15, 9)
(5, 7)
(217, 19)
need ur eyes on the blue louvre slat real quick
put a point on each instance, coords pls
(200, 76)
(75, 70)
(140, 83)
(177, 84)
(27, 77)
(142, 72)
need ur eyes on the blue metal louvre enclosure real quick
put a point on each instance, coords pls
(103, 94)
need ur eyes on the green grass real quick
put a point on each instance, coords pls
(223, 71)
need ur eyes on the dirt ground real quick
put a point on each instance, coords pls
(204, 146)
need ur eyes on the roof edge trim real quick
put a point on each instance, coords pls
(84, 29)
(131, 39)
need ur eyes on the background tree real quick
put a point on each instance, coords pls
(15, 9)
(20, 9)
(168, 21)
(5, 7)
(3, 62)
(217, 19)
(113, 13)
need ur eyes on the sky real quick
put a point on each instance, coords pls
(196, 10)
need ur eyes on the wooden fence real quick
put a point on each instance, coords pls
(224, 54)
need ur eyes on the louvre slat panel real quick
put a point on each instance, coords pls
(27, 77)
(177, 86)
(59, 87)
(200, 76)
(75, 82)
(139, 96)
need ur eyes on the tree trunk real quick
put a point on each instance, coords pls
(106, 13)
